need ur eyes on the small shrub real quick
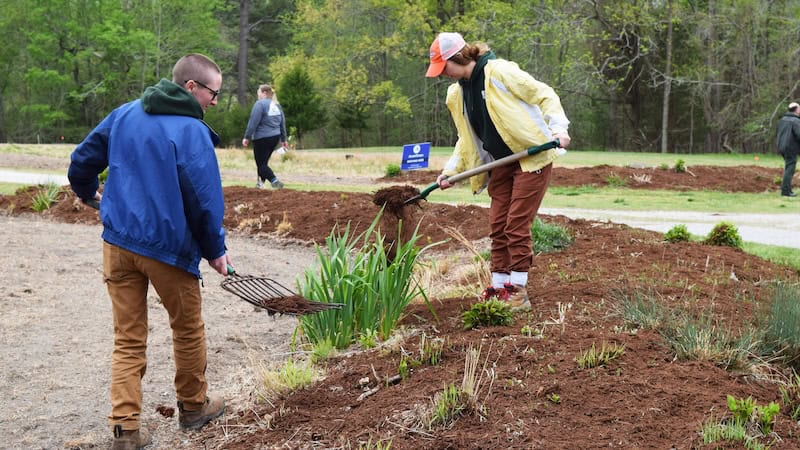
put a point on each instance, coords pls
(680, 166)
(321, 350)
(392, 170)
(678, 233)
(641, 309)
(284, 227)
(615, 180)
(45, 198)
(790, 395)
(448, 405)
(103, 176)
(368, 339)
(488, 313)
(724, 234)
(596, 358)
(430, 349)
(549, 237)
(663, 166)
(778, 318)
(292, 376)
(404, 367)
(777, 180)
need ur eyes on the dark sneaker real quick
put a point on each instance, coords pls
(790, 194)
(213, 407)
(130, 439)
(277, 184)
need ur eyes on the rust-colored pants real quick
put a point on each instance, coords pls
(127, 276)
(516, 197)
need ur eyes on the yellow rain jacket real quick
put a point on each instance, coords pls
(526, 113)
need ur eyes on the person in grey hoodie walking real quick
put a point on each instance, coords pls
(266, 127)
(789, 146)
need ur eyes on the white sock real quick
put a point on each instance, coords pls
(499, 279)
(519, 278)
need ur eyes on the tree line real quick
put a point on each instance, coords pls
(672, 76)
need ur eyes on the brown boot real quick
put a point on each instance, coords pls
(518, 298)
(130, 439)
(213, 407)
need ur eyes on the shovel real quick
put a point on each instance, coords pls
(485, 168)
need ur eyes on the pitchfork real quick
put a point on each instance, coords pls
(268, 294)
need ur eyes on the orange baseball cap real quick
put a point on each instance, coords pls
(443, 48)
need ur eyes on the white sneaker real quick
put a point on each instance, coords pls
(259, 184)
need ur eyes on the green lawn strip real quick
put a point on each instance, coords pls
(779, 255)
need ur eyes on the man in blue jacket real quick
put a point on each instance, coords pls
(162, 208)
(789, 146)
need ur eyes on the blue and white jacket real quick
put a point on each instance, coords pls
(163, 196)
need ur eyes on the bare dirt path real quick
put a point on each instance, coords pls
(56, 335)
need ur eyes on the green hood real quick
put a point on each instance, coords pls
(167, 97)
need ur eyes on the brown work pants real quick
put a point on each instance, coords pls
(516, 197)
(127, 276)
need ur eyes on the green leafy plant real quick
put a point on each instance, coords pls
(374, 290)
(663, 166)
(549, 237)
(678, 233)
(790, 395)
(448, 405)
(716, 431)
(368, 339)
(392, 170)
(287, 378)
(555, 398)
(680, 166)
(45, 197)
(614, 180)
(778, 318)
(724, 234)
(742, 409)
(746, 410)
(488, 313)
(766, 416)
(377, 445)
(430, 349)
(322, 350)
(595, 357)
(404, 368)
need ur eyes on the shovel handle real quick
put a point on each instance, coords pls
(487, 167)
(503, 161)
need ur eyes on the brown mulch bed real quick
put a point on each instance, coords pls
(538, 396)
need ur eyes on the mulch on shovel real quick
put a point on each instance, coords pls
(394, 198)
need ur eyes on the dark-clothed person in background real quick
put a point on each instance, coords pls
(789, 146)
(266, 127)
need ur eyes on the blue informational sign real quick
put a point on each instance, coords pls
(415, 156)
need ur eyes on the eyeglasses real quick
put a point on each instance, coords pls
(214, 93)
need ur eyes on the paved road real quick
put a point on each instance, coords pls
(13, 176)
(772, 229)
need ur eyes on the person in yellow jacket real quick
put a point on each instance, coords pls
(499, 109)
